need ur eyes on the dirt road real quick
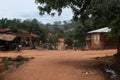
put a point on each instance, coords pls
(58, 65)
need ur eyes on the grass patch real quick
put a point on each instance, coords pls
(9, 62)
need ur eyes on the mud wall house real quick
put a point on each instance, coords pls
(35, 39)
(25, 38)
(7, 42)
(98, 39)
(28, 39)
(11, 32)
(61, 44)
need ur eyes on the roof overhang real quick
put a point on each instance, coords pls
(101, 30)
(7, 37)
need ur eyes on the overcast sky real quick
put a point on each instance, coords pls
(27, 9)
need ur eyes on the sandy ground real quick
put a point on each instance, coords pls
(58, 65)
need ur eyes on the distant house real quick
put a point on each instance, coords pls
(97, 39)
(7, 41)
(28, 39)
(10, 39)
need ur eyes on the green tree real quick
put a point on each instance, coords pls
(69, 38)
(33, 26)
(36, 27)
(109, 10)
(4, 23)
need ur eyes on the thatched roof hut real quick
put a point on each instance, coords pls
(23, 37)
(7, 37)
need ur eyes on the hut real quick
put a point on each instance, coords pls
(23, 37)
(28, 39)
(98, 39)
(7, 41)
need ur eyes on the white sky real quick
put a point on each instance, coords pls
(27, 9)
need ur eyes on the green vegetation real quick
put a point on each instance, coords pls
(101, 13)
(74, 32)
(14, 62)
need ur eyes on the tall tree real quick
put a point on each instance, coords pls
(109, 10)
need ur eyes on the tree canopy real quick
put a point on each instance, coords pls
(97, 8)
(106, 10)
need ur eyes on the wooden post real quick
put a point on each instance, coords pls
(30, 40)
(118, 48)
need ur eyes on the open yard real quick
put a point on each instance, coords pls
(58, 65)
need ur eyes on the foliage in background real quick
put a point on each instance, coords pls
(107, 12)
(30, 25)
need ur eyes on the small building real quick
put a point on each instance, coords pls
(98, 39)
(61, 45)
(25, 38)
(7, 42)
(28, 39)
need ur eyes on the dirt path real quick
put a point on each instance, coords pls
(58, 65)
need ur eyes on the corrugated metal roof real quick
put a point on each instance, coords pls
(101, 30)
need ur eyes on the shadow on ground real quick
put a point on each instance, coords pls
(80, 64)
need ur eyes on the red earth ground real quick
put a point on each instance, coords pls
(58, 65)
